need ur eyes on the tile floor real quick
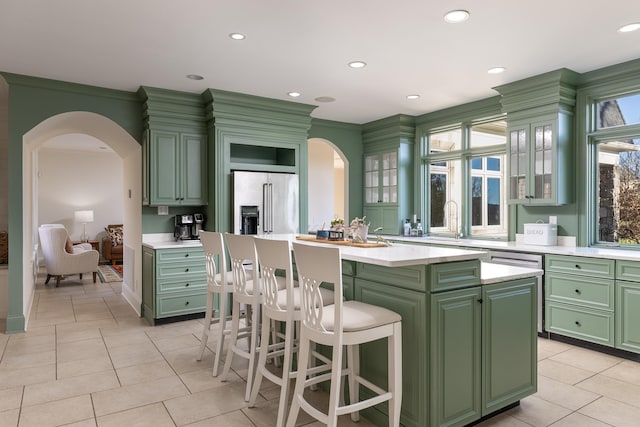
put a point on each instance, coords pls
(88, 360)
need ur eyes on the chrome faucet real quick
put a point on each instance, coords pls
(457, 232)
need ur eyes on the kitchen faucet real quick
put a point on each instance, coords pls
(455, 205)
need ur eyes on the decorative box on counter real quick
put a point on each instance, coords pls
(540, 234)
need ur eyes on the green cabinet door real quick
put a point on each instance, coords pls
(177, 169)
(164, 168)
(509, 343)
(455, 351)
(193, 174)
(628, 316)
(412, 306)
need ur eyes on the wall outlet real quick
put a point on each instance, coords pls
(553, 219)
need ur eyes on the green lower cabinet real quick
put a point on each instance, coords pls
(412, 306)
(483, 350)
(628, 316)
(509, 343)
(455, 351)
(174, 282)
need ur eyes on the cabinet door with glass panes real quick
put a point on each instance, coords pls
(533, 158)
(381, 178)
(381, 192)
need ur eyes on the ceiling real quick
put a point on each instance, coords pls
(304, 46)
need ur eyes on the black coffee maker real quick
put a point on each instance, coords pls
(183, 227)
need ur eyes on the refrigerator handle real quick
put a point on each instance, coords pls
(270, 208)
(265, 208)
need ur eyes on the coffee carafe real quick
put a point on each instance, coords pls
(183, 227)
(198, 223)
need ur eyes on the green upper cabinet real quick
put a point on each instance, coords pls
(177, 169)
(175, 149)
(539, 147)
(388, 172)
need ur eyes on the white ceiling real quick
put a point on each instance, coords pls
(304, 46)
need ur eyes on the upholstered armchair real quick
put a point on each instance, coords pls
(112, 247)
(63, 259)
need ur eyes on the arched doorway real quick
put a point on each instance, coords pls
(328, 183)
(129, 150)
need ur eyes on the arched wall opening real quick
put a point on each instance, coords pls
(328, 190)
(129, 151)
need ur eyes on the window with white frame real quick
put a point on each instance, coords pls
(465, 192)
(614, 147)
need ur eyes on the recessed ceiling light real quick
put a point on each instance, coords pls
(237, 36)
(357, 64)
(194, 77)
(325, 99)
(413, 96)
(496, 70)
(294, 94)
(456, 16)
(629, 27)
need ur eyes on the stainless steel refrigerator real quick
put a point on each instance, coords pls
(265, 202)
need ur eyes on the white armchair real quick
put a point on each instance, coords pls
(58, 261)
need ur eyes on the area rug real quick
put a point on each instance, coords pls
(110, 273)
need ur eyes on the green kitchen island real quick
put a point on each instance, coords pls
(469, 342)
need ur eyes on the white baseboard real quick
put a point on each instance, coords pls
(131, 298)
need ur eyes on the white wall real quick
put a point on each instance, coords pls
(76, 180)
(321, 188)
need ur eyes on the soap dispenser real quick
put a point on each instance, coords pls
(407, 227)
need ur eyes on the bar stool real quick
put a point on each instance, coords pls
(220, 283)
(282, 306)
(246, 291)
(348, 323)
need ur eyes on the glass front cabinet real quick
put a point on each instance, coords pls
(540, 114)
(388, 173)
(534, 175)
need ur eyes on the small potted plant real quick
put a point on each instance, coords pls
(336, 232)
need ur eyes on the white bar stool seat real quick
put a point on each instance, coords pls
(345, 323)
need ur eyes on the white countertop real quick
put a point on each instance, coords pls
(397, 255)
(593, 252)
(167, 241)
(496, 273)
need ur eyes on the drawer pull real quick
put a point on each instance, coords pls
(578, 291)
(186, 255)
(577, 323)
(187, 285)
(578, 266)
(187, 303)
(480, 300)
(186, 269)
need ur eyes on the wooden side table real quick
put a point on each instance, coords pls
(94, 244)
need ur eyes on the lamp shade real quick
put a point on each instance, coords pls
(84, 216)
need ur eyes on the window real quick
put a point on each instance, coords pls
(487, 195)
(615, 166)
(465, 189)
(619, 191)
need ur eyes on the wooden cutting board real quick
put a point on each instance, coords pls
(342, 242)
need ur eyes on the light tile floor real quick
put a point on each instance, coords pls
(88, 360)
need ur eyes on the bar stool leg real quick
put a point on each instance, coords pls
(395, 374)
(222, 323)
(233, 338)
(353, 363)
(301, 377)
(207, 325)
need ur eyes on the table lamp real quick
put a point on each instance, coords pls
(84, 217)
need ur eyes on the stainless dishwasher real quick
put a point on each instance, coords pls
(525, 260)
